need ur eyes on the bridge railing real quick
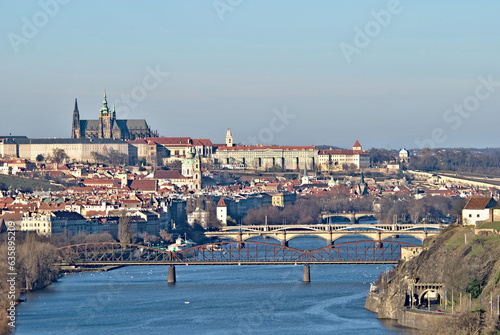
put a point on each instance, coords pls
(253, 253)
(331, 227)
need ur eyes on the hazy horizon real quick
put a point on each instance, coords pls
(392, 74)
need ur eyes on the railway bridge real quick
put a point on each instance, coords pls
(230, 253)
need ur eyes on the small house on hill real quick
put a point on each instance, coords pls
(479, 209)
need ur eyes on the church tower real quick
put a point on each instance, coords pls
(75, 130)
(105, 121)
(197, 172)
(229, 138)
(357, 146)
(222, 211)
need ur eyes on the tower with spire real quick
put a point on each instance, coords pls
(108, 126)
(229, 138)
(76, 130)
(105, 120)
(357, 146)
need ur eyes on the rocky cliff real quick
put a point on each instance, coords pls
(466, 263)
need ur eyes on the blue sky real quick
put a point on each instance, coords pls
(238, 64)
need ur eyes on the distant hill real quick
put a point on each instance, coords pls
(327, 147)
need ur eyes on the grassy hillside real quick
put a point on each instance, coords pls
(26, 185)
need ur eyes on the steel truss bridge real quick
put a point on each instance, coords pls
(328, 232)
(231, 253)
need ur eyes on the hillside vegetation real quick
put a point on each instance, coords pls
(468, 265)
(26, 184)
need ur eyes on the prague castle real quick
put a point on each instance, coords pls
(108, 126)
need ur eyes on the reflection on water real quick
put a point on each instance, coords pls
(209, 300)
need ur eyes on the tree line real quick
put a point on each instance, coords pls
(387, 210)
(34, 268)
(459, 160)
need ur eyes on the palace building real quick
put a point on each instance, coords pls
(108, 126)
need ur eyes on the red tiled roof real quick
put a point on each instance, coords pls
(143, 185)
(170, 140)
(221, 202)
(342, 152)
(202, 141)
(137, 141)
(480, 203)
(357, 144)
(100, 181)
(168, 174)
(270, 147)
(52, 207)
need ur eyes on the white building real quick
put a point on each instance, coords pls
(331, 160)
(222, 211)
(478, 210)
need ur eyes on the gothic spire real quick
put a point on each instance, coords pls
(104, 109)
(75, 130)
(76, 107)
(113, 116)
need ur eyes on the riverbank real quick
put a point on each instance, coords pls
(458, 271)
(77, 269)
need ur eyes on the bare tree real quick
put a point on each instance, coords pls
(125, 231)
(166, 236)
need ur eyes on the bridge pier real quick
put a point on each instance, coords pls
(171, 274)
(284, 243)
(379, 244)
(307, 274)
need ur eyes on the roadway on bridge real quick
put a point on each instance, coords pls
(232, 253)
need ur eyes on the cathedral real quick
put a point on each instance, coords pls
(108, 126)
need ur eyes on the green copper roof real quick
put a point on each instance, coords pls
(105, 109)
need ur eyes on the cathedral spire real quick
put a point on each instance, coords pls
(113, 116)
(75, 131)
(104, 109)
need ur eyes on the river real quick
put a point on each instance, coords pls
(208, 300)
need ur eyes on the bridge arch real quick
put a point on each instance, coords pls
(369, 235)
(366, 217)
(416, 235)
(423, 295)
(290, 237)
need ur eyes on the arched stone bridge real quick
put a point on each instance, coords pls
(354, 217)
(328, 232)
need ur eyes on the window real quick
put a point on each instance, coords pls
(470, 215)
(478, 215)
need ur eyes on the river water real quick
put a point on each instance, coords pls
(208, 300)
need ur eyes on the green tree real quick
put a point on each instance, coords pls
(474, 288)
(39, 158)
